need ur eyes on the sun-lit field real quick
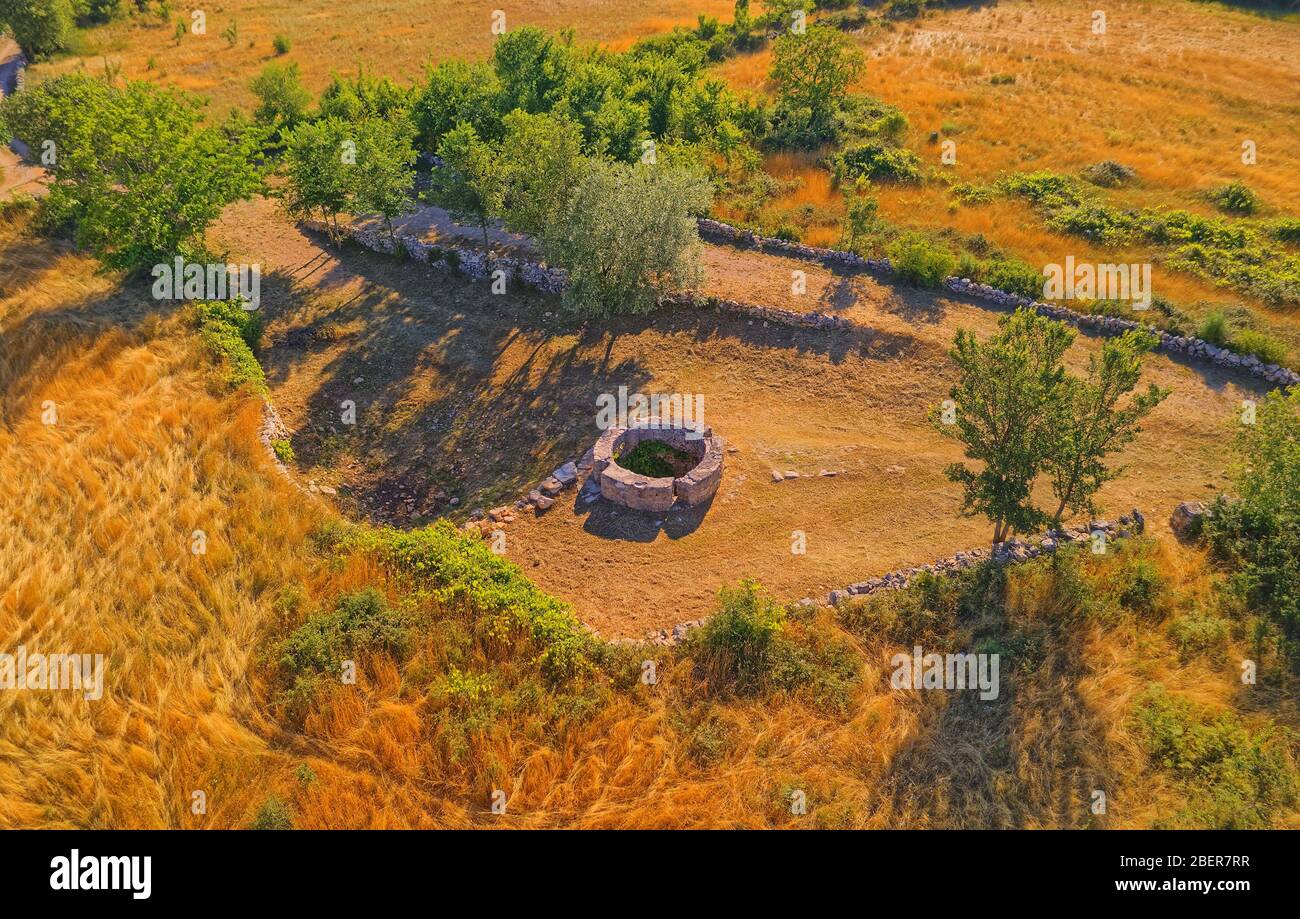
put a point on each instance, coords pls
(394, 38)
(146, 520)
(148, 449)
(1172, 89)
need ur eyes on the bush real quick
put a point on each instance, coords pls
(1264, 346)
(359, 622)
(281, 44)
(1197, 632)
(1214, 328)
(1235, 198)
(274, 814)
(920, 261)
(232, 332)
(876, 161)
(283, 450)
(1234, 779)
(1013, 276)
(1257, 538)
(751, 645)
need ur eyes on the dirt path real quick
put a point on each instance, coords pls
(465, 399)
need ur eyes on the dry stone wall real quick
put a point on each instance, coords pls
(1110, 325)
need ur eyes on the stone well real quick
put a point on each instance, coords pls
(644, 493)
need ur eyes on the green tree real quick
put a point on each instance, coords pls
(318, 162)
(383, 175)
(41, 27)
(1095, 425)
(1008, 405)
(453, 92)
(628, 233)
(812, 72)
(532, 67)
(540, 165)
(282, 99)
(137, 171)
(469, 182)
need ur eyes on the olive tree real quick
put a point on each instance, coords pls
(628, 232)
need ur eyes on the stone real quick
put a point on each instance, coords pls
(1139, 521)
(543, 503)
(777, 476)
(552, 487)
(566, 475)
(791, 475)
(326, 490)
(1186, 519)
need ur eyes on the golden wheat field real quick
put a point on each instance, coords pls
(209, 540)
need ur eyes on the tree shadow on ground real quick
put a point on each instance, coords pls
(1030, 758)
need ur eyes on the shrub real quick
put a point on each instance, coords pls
(1002, 79)
(283, 450)
(231, 332)
(751, 644)
(1257, 538)
(1013, 276)
(274, 814)
(1264, 346)
(359, 622)
(281, 44)
(1234, 198)
(1214, 328)
(920, 261)
(1198, 632)
(1141, 586)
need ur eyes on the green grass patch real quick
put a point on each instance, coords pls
(657, 460)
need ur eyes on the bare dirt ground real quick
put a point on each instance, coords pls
(465, 399)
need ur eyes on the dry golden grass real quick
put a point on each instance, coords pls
(95, 557)
(1172, 89)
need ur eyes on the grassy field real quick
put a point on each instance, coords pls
(398, 38)
(149, 446)
(1172, 89)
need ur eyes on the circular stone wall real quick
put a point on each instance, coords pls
(622, 486)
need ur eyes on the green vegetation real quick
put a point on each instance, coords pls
(1021, 415)
(1234, 778)
(656, 459)
(750, 646)
(274, 814)
(1235, 198)
(1236, 254)
(920, 261)
(281, 44)
(283, 450)
(1257, 536)
(41, 27)
(627, 233)
(322, 648)
(812, 72)
(232, 333)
